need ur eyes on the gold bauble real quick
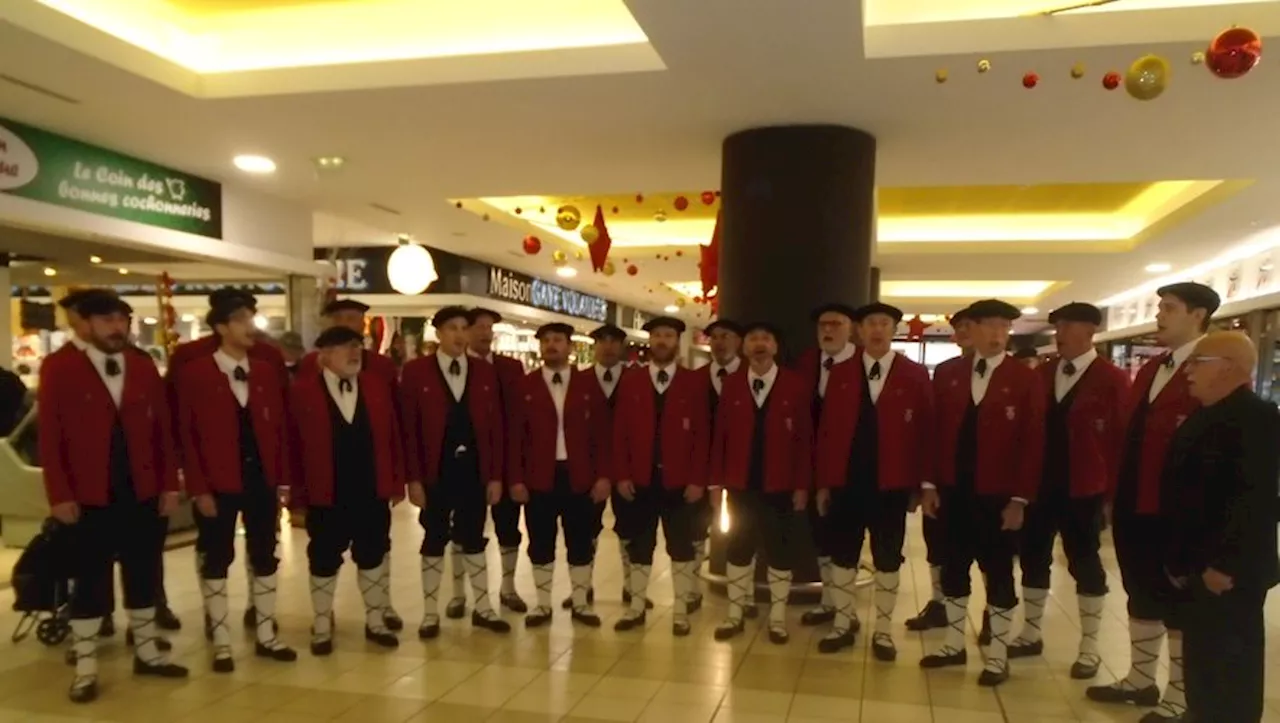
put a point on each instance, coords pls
(589, 234)
(1147, 78)
(680, 302)
(984, 65)
(940, 75)
(660, 216)
(1077, 71)
(558, 257)
(568, 217)
(607, 269)
(1197, 58)
(577, 255)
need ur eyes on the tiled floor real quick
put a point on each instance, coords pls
(565, 673)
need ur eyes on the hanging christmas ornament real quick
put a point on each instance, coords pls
(532, 245)
(457, 204)
(984, 65)
(679, 252)
(660, 216)
(590, 234)
(658, 257)
(708, 198)
(697, 300)
(1029, 80)
(577, 255)
(1197, 58)
(639, 198)
(940, 75)
(1077, 71)
(632, 270)
(558, 258)
(519, 210)
(615, 210)
(607, 269)
(681, 203)
(1233, 53)
(542, 209)
(624, 261)
(681, 302)
(568, 217)
(1111, 80)
(484, 217)
(1147, 78)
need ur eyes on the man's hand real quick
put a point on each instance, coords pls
(283, 495)
(930, 502)
(417, 495)
(1178, 582)
(396, 500)
(169, 503)
(207, 506)
(693, 493)
(1217, 582)
(800, 500)
(68, 513)
(600, 491)
(519, 493)
(1107, 511)
(824, 502)
(627, 489)
(1012, 517)
(913, 503)
(494, 492)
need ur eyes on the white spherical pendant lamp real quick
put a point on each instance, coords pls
(411, 270)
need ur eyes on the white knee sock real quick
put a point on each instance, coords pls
(142, 621)
(432, 573)
(682, 589)
(84, 644)
(1090, 624)
(216, 606)
(580, 583)
(264, 601)
(373, 593)
(1146, 637)
(824, 571)
(386, 583)
(842, 591)
(935, 579)
(625, 558)
(1033, 600)
(478, 571)
(510, 556)
(779, 591)
(1174, 701)
(998, 651)
(543, 579)
(323, 590)
(738, 580)
(459, 591)
(957, 609)
(639, 588)
(886, 599)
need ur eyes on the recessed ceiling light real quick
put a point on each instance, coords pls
(50, 271)
(1158, 268)
(566, 272)
(188, 318)
(671, 308)
(148, 320)
(95, 259)
(123, 271)
(255, 164)
(329, 163)
(1030, 310)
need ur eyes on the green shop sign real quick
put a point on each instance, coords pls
(47, 167)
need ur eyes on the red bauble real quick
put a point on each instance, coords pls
(519, 210)
(632, 270)
(681, 203)
(1111, 80)
(1233, 53)
(532, 245)
(615, 210)
(639, 198)
(679, 252)
(708, 198)
(1029, 80)
(457, 204)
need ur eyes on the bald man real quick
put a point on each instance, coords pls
(1220, 491)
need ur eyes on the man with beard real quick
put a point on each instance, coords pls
(762, 454)
(876, 427)
(557, 469)
(232, 427)
(660, 453)
(453, 432)
(110, 472)
(347, 471)
(990, 450)
(1084, 432)
(1159, 402)
(506, 513)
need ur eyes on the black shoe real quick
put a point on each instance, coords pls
(586, 617)
(456, 609)
(1156, 717)
(282, 653)
(991, 678)
(945, 660)
(591, 599)
(512, 602)
(429, 631)
(158, 670)
(538, 618)
(493, 624)
(381, 638)
(834, 644)
(931, 617)
(750, 612)
(818, 616)
(1026, 650)
(984, 637)
(695, 603)
(392, 620)
(681, 628)
(779, 636)
(885, 652)
(1086, 669)
(630, 622)
(626, 598)
(322, 648)
(86, 693)
(162, 644)
(1148, 697)
(730, 629)
(224, 665)
(108, 629)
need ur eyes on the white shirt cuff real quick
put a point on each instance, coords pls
(1023, 500)
(928, 486)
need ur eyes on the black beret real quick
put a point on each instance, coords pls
(961, 315)
(665, 322)
(877, 307)
(448, 314)
(554, 327)
(73, 298)
(1077, 311)
(726, 324)
(1026, 352)
(993, 309)
(609, 331)
(337, 336)
(480, 311)
(764, 326)
(337, 305)
(834, 307)
(1195, 296)
(223, 305)
(102, 304)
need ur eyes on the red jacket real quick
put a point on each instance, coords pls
(788, 434)
(1010, 424)
(510, 374)
(1169, 410)
(904, 418)
(209, 426)
(207, 345)
(424, 406)
(381, 367)
(1095, 424)
(76, 418)
(533, 427)
(685, 430)
(311, 442)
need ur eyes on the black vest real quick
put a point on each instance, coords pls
(120, 474)
(353, 455)
(967, 448)
(251, 470)
(816, 404)
(755, 473)
(659, 405)
(459, 434)
(1057, 442)
(864, 455)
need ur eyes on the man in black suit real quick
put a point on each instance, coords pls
(1219, 491)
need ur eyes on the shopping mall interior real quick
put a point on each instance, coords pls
(612, 161)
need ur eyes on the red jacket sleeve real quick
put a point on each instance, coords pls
(497, 438)
(1116, 429)
(1031, 469)
(397, 449)
(53, 446)
(601, 431)
(926, 430)
(701, 439)
(167, 448)
(621, 459)
(298, 489)
(192, 469)
(802, 443)
(410, 433)
(517, 436)
(719, 442)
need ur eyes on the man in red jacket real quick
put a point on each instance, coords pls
(1159, 402)
(232, 429)
(990, 450)
(556, 469)
(107, 454)
(454, 449)
(1084, 432)
(660, 436)
(763, 454)
(877, 424)
(347, 470)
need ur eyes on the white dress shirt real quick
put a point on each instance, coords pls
(768, 378)
(457, 382)
(670, 369)
(559, 392)
(824, 373)
(607, 386)
(346, 400)
(978, 384)
(875, 386)
(1062, 383)
(1164, 374)
(729, 368)
(487, 357)
(229, 367)
(114, 384)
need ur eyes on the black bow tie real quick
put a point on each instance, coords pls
(608, 375)
(112, 367)
(455, 368)
(875, 371)
(757, 386)
(663, 376)
(556, 379)
(1168, 361)
(828, 363)
(1069, 369)
(240, 374)
(345, 386)
(722, 373)
(981, 368)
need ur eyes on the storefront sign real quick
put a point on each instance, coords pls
(47, 167)
(521, 289)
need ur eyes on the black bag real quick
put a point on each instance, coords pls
(41, 585)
